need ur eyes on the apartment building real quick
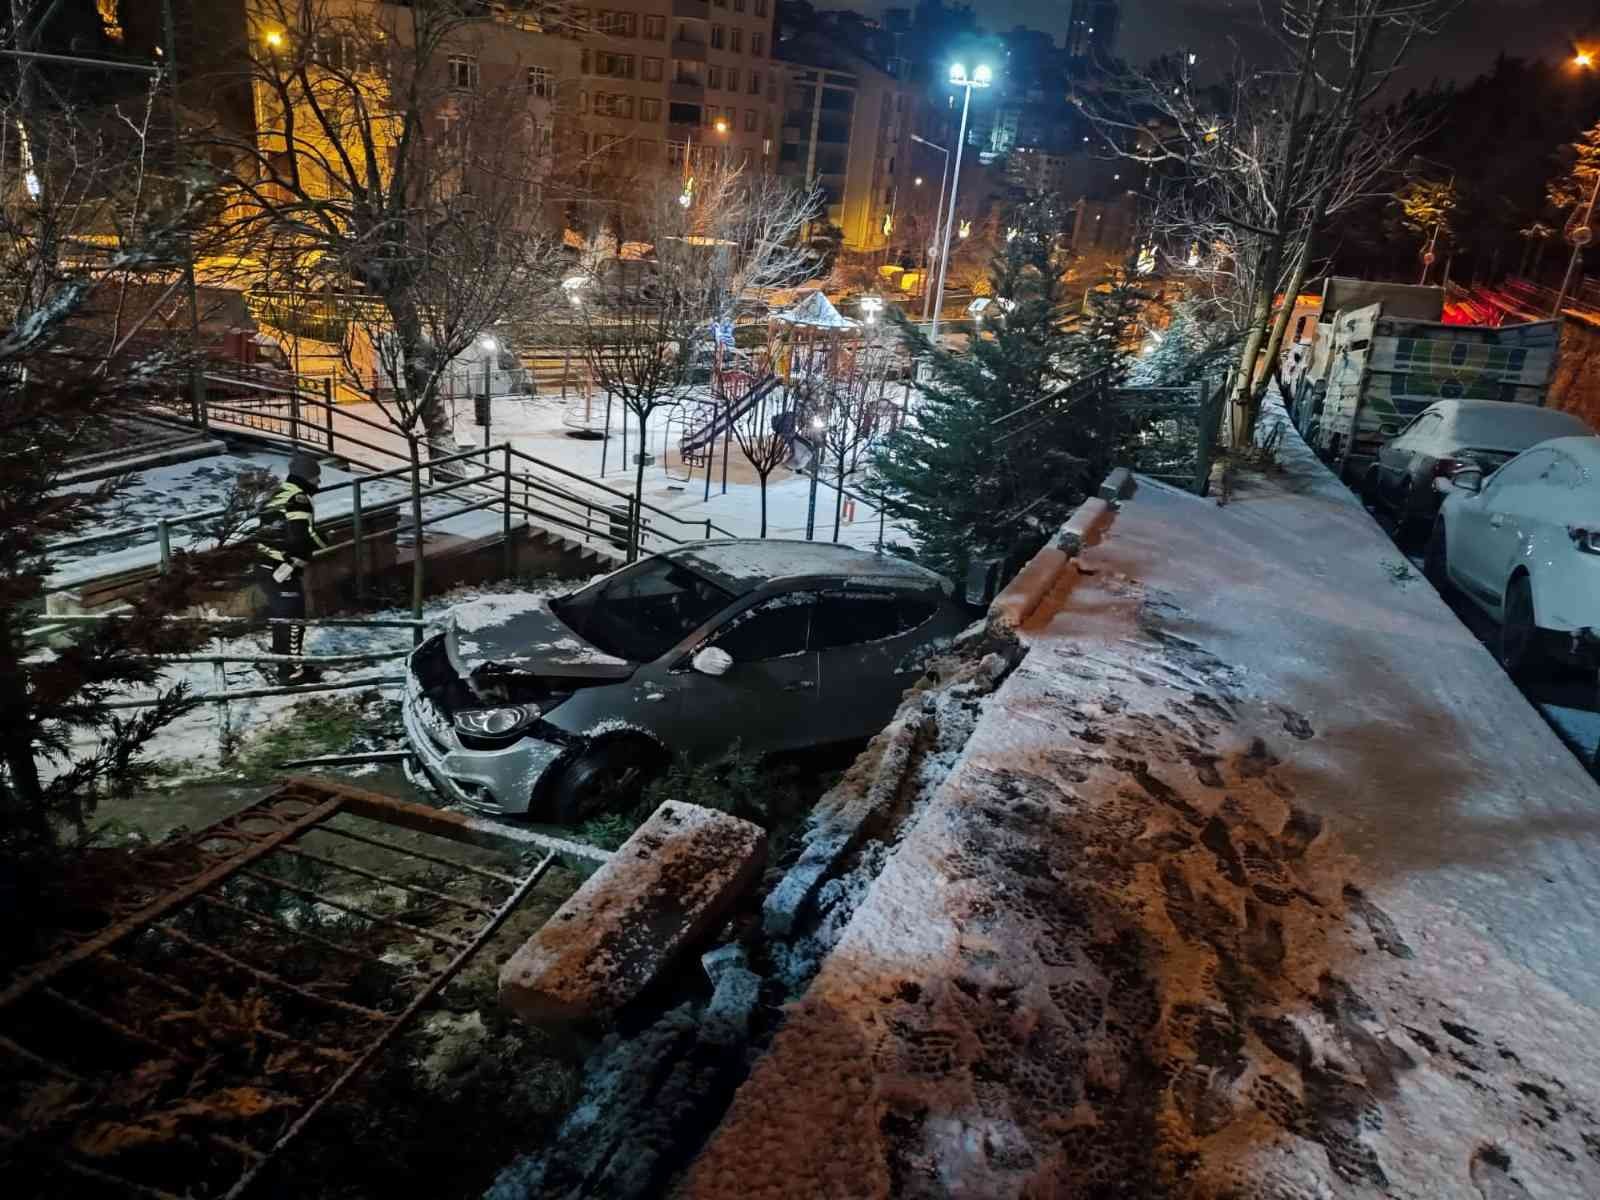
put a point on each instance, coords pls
(662, 78)
(847, 126)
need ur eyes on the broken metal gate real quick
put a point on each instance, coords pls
(179, 1046)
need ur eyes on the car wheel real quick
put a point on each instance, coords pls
(610, 778)
(1405, 515)
(1519, 637)
(1435, 563)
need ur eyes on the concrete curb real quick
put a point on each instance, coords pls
(1021, 598)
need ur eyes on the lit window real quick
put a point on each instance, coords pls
(540, 83)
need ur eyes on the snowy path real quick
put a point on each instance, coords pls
(1256, 879)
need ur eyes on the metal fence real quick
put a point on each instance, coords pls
(239, 985)
(1170, 433)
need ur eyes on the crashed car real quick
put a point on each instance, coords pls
(563, 712)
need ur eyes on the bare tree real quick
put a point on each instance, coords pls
(765, 433)
(397, 158)
(715, 240)
(1256, 167)
(855, 414)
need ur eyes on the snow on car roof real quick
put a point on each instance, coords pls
(1586, 449)
(1502, 425)
(751, 562)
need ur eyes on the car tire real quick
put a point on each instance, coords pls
(1519, 649)
(1405, 515)
(608, 778)
(1435, 559)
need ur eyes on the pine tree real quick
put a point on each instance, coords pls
(996, 458)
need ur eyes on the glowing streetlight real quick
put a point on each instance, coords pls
(982, 77)
(917, 182)
(1583, 58)
(274, 38)
(721, 126)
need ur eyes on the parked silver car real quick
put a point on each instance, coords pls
(778, 645)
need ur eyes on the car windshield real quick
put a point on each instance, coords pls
(642, 612)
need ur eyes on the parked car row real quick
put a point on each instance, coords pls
(1507, 496)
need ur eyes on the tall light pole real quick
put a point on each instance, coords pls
(938, 216)
(980, 78)
(1583, 233)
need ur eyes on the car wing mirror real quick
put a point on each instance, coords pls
(712, 661)
(1388, 430)
(1465, 479)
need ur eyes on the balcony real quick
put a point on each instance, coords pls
(699, 10)
(688, 51)
(686, 91)
(678, 132)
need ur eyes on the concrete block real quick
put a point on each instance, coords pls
(1087, 523)
(1118, 485)
(663, 891)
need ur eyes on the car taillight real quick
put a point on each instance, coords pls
(1446, 467)
(1587, 540)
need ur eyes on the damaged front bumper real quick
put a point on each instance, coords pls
(501, 780)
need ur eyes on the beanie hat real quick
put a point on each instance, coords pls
(304, 466)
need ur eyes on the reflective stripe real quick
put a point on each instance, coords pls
(296, 516)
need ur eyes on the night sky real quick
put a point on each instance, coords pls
(1525, 28)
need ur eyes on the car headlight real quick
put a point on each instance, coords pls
(496, 722)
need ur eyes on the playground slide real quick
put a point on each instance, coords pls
(695, 441)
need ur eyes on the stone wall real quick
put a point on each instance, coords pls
(1576, 386)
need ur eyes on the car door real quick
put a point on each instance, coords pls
(767, 700)
(858, 634)
(1484, 535)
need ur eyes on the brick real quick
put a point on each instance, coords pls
(664, 890)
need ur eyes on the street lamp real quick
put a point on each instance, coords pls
(980, 78)
(1583, 233)
(938, 218)
(488, 345)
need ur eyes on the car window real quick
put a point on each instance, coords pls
(1560, 472)
(1422, 429)
(644, 611)
(775, 628)
(848, 619)
(853, 618)
(1523, 469)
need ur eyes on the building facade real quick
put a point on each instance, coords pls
(846, 128)
(659, 80)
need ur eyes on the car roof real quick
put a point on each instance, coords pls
(1488, 417)
(748, 563)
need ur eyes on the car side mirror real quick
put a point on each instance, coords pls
(1387, 430)
(712, 661)
(1467, 479)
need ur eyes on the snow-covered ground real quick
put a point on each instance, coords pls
(1257, 879)
(192, 746)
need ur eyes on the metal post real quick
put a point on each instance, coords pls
(164, 536)
(811, 505)
(727, 443)
(327, 400)
(506, 497)
(880, 522)
(605, 442)
(355, 530)
(1581, 237)
(711, 444)
(488, 398)
(950, 217)
(938, 215)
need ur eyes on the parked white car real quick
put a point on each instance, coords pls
(1523, 544)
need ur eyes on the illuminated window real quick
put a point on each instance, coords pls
(541, 83)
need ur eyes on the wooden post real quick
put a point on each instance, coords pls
(164, 536)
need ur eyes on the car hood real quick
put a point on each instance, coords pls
(533, 644)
